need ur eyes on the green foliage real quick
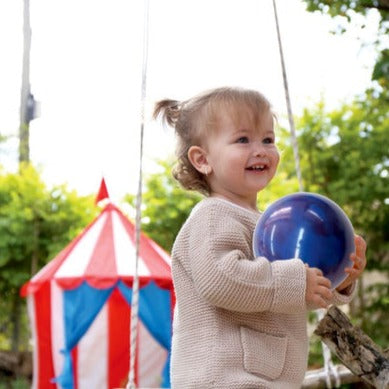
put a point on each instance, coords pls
(3, 138)
(18, 383)
(348, 10)
(35, 224)
(344, 155)
(381, 70)
(377, 312)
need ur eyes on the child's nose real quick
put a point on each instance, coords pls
(258, 149)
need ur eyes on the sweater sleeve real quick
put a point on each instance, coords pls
(346, 296)
(339, 298)
(225, 274)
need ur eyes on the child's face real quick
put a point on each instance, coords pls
(242, 155)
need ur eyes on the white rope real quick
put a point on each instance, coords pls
(135, 286)
(329, 367)
(288, 104)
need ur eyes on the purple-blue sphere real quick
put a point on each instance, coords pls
(310, 227)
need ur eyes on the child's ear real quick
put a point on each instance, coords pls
(198, 158)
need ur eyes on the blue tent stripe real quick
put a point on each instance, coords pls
(125, 291)
(81, 306)
(155, 313)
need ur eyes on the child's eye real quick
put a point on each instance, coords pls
(243, 139)
(268, 140)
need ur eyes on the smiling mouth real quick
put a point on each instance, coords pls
(257, 168)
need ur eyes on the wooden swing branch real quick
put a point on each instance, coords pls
(354, 348)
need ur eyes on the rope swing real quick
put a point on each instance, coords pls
(135, 286)
(329, 368)
(288, 104)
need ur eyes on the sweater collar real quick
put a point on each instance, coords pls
(231, 204)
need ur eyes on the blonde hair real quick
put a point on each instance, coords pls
(194, 118)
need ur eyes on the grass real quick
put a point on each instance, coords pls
(15, 383)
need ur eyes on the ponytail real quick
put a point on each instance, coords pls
(169, 110)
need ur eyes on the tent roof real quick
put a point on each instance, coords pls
(103, 254)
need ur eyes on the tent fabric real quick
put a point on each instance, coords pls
(77, 321)
(102, 194)
(101, 255)
(155, 313)
(43, 366)
(80, 306)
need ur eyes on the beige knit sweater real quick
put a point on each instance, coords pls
(239, 322)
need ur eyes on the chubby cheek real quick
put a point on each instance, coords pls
(275, 160)
(276, 157)
(237, 163)
(229, 169)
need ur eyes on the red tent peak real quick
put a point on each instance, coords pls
(103, 192)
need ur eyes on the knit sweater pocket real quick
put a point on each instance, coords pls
(263, 354)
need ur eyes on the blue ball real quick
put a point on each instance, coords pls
(310, 227)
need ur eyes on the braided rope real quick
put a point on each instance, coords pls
(135, 286)
(288, 104)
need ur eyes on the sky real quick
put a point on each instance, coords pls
(86, 72)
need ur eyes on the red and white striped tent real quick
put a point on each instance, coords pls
(79, 310)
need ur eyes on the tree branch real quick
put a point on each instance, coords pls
(383, 5)
(354, 348)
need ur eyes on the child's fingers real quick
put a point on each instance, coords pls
(323, 281)
(325, 293)
(360, 246)
(321, 301)
(359, 257)
(357, 261)
(353, 258)
(352, 272)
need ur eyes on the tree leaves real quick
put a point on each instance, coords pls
(35, 224)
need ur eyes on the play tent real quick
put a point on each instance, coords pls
(79, 310)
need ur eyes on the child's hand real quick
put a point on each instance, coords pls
(359, 263)
(318, 290)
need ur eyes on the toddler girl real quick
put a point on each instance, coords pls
(240, 321)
